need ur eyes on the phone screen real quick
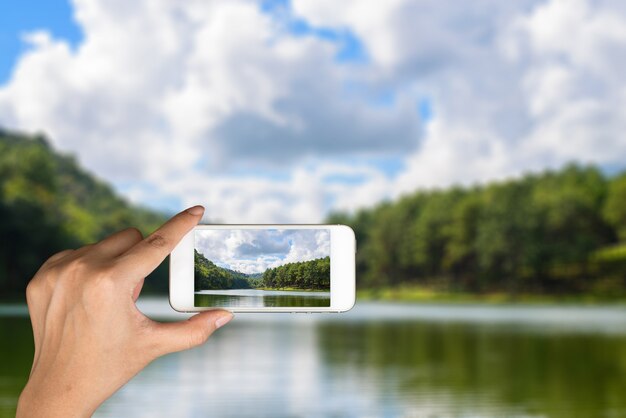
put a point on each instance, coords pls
(255, 268)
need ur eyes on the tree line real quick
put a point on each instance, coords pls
(310, 275)
(558, 231)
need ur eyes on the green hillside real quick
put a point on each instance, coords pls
(48, 202)
(558, 232)
(210, 276)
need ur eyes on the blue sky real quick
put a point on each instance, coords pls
(282, 111)
(56, 18)
(17, 18)
(350, 48)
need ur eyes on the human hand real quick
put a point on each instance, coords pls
(90, 338)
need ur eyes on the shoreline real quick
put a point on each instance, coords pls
(273, 289)
(424, 295)
(419, 294)
(288, 289)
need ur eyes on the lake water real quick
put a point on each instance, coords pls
(255, 298)
(379, 360)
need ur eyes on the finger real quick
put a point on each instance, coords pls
(177, 336)
(118, 243)
(145, 256)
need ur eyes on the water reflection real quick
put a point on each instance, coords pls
(378, 361)
(480, 370)
(252, 298)
(16, 356)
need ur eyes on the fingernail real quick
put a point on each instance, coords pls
(196, 210)
(223, 320)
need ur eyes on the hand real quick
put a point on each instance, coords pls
(90, 338)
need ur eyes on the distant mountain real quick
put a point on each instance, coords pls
(209, 275)
(255, 275)
(236, 273)
(48, 202)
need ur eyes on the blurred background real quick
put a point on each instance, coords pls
(477, 148)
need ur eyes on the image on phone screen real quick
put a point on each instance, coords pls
(254, 268)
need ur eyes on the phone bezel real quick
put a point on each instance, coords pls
(342, 270)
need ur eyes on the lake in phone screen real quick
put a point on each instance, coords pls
(260, 268)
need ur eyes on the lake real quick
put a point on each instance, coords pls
(254, 298)
(379, 360)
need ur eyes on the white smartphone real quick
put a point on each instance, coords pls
(264, 268)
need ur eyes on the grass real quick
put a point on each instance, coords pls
(421, 294)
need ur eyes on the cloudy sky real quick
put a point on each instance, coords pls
(279, 111)
(253, 251)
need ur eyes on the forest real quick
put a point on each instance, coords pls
(558, 232)
(309, 275)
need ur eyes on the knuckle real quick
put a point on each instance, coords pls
(99, 287)
(133, 230)
(32, 289)
(135, 233)
(72, 273)
(48, 276)
(55, 258)
(198, 337)
(157, 240)
(78, 267)
(104, 281)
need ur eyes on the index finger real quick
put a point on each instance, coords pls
(141, 259)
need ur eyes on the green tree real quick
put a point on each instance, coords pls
(310, 275)
(614, 209)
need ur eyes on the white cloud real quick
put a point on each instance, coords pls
(219, 103)
(515, 86)
(253, 251)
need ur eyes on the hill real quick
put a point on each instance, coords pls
(48, 202)
(557, 232)
(208, 275)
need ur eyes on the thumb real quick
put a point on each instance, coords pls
(183, 335)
